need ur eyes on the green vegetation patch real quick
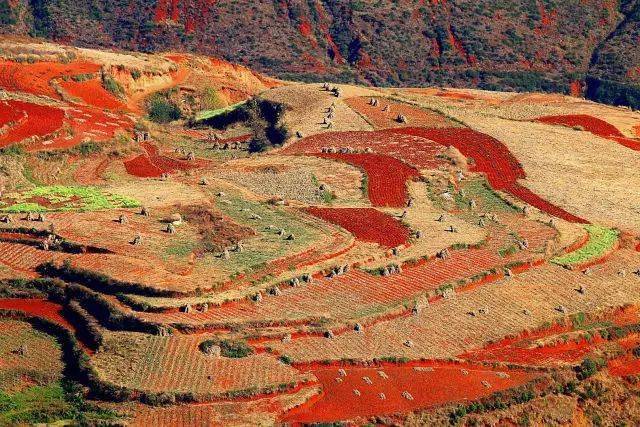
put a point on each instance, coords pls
(209, 114)
(479, 190)
(267, 245)
(601, 240)
(235, 349)
(60, 198)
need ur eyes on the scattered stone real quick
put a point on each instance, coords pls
(358, 328)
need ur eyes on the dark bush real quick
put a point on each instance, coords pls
(162, 110)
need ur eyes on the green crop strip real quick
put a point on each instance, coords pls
(601, 240)
(63, 199)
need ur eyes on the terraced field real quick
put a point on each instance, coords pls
(369, 256)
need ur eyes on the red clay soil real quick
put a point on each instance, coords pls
(624, 366)
(494, 159)
(35, 78)
(428, 385)
(37, 307)
(41, 120)
(153, 165)
(414, 150)
(366, 224)
(595, 126)
(87, 123)
(387, 177)
(92, 93)
(10, 115)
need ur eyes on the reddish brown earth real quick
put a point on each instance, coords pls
(39, 308)
(35, 78)
(595, 126)
(387, 177)
(92, 93)
(366, 224)
(381, 119)
(152, 164)
(40, 121)
(429, 384)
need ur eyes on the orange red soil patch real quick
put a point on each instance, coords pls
(594, 125)
(624, 366)
(387, 177)
(387, 119)
(368, 391)
(366, 224)
(153, 165)
(35, 78)
(39, 121)
(92, 93)
(37, 307)
(87, 123)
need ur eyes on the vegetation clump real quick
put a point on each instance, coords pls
(234, 349)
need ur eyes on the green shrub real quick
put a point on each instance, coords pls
(110, 84)
(234, 349)
(162, 110)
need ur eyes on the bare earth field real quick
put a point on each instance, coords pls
(184, 241)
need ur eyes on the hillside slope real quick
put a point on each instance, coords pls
(545, 45)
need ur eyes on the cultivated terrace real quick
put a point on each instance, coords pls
(184, 241)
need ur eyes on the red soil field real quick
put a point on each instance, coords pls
(87, 123)
(624, 366)
(595, 126)
(414, 150)
(39, 308)
(152, 164)
(387, 177)
(92, 93)
(366, 224)
(387, 119)
(35, 78)
(40, 121)
(429, 384)
(494, 160)
(10, 115)
(524, 350)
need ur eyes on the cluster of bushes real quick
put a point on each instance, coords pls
(228, 348)
(262, 116)
(610, 92)
(162, 109)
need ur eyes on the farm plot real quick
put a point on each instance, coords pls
(275, 175)
(40, 308)
(351, 391)
(492, 158)
(176, 364)
(386, 177)
(34, 121)
(594, 125)
(414, 150)
(576, 171)
(40, 362)
(385, 114)
(36, 78)
(358, 294)
(85, 123)
(92, 93)
(601, 242)
(466, 321)
(62, 198)
(153, 164)
(264, 411)
(366, 224)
